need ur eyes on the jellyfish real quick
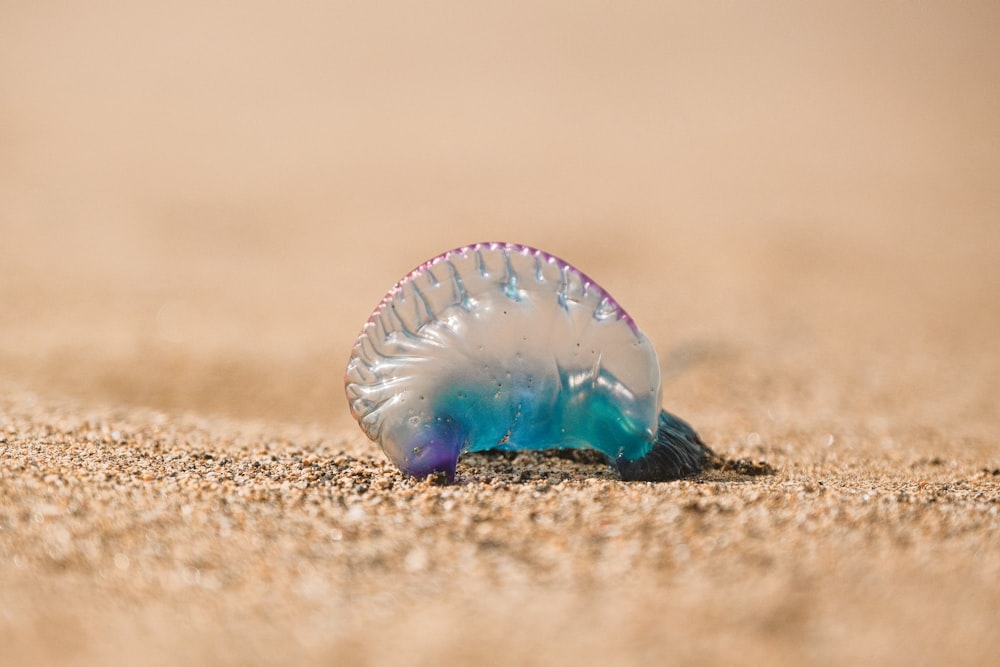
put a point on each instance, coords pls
(499, 346)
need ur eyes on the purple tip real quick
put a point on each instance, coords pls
(433, 463)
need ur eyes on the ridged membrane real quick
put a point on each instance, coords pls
(502, 346)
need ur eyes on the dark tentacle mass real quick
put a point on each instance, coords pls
(678, 452)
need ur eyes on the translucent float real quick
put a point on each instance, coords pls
(502, 346)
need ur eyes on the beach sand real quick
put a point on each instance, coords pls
(200, 205)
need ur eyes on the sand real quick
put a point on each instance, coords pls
(199, 207)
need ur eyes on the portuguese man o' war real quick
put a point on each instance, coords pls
(501, 346)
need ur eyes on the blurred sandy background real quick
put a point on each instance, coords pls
(201, 202)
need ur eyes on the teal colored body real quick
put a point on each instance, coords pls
(533, 414)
